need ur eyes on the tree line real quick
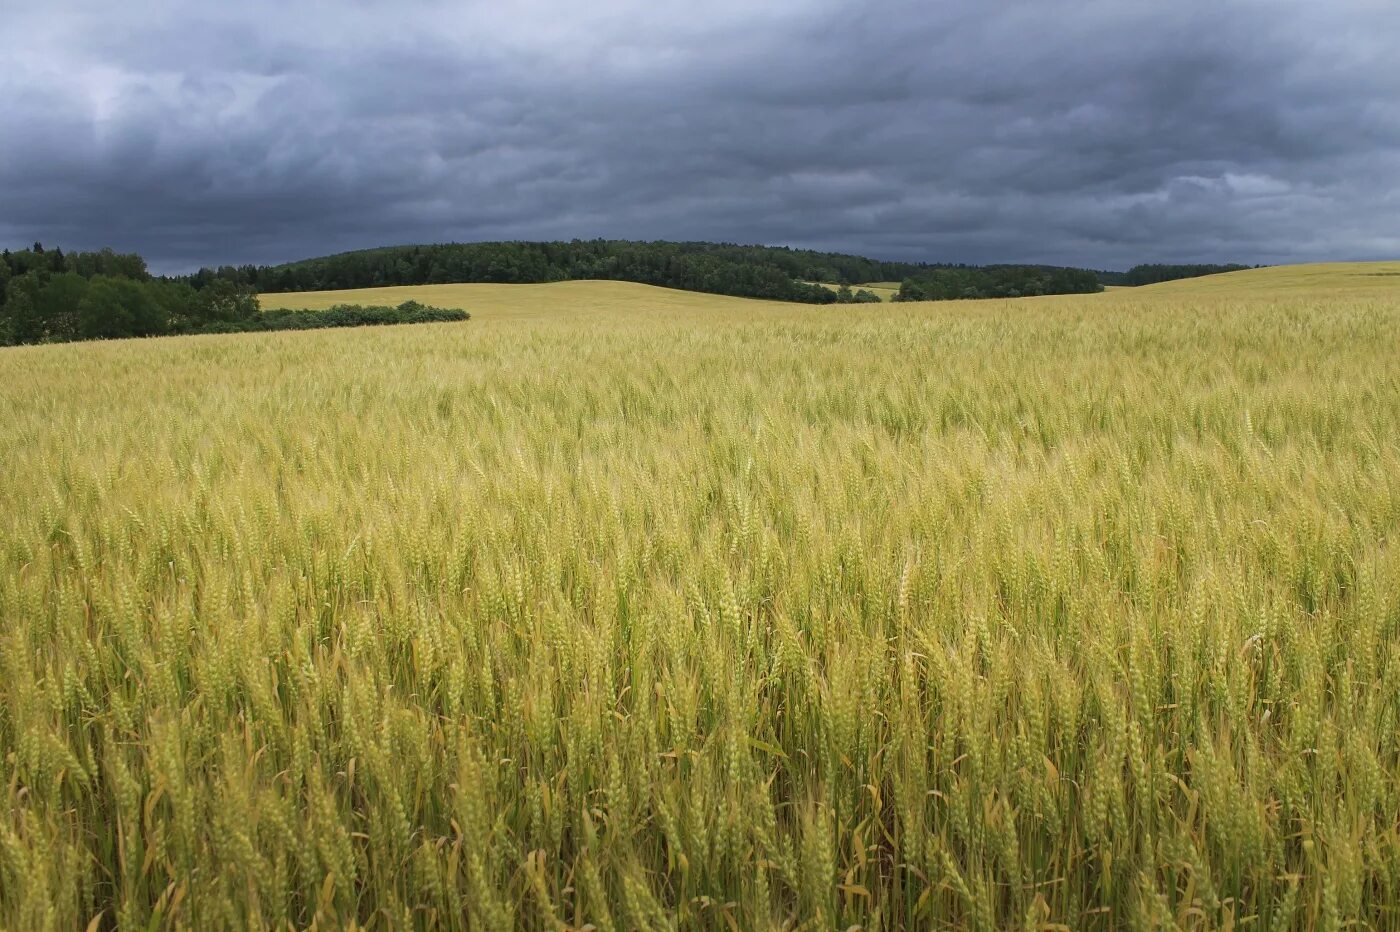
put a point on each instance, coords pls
(1154, 273)
(778, 273)
(772, 272)
(48, 296)
(996, 281)
(341, 315)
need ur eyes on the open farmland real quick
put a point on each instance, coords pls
(640, 608)
(885, 291)
(1318, 280)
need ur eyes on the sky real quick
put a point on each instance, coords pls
(1096, 133)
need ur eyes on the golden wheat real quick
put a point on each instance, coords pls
(639, 609)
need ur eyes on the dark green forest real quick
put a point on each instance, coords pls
(951, 282)
(341, 315)
(772, 272)
(47, 296)
(996, 281)
(1153, 274)
(717, 268)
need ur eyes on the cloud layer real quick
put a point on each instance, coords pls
(1096, 132)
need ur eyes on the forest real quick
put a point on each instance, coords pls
(48, 296)
(999, 281)
(772, 272)
(1155, 273)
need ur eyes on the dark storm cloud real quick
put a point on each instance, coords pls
(1100, 133)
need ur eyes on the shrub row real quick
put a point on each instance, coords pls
(341, 315)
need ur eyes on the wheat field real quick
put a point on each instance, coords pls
(885, 291)
(623, 608)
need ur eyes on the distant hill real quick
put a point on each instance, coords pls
(609, 299)
(1331, 278)
(1156, 273)
(772, 272)
(997, 281)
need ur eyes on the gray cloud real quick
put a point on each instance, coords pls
(1100, 133)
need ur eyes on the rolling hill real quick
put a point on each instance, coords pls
(613, 297)
(1322, 277)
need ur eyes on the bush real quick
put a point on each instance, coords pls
(997, 281)
(49, 297)
(340, 315)
(844, 295)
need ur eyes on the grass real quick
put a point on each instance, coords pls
(635, 608)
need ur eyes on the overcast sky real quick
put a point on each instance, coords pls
(1094, 132)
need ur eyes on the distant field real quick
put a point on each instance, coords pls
(1335, 278)
(606, 297)
(631, 608)
(886, 290)
(587, 298)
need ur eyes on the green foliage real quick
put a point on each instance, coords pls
(844, 295)
(107, 262)
(222, 301)
(341, 315)
(43, 306)
(997, 281)
(20, 318)
(49, 296)
(777, 273)
(744, 271)
(57, 302)
(1151, 274)
(53, 298)
(719, 268)
(86, 264)
(112, 308)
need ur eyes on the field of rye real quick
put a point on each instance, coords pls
(637, 610)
